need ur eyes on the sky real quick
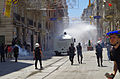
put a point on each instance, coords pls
(75, 7)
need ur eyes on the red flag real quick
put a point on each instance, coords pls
(109, 4)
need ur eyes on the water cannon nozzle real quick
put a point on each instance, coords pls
(65, 33)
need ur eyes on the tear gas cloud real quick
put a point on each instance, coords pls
(82, 32)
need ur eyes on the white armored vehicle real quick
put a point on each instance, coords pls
(62, 43)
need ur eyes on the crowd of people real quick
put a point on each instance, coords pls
(113, 52)
(72, 53)
(12, 51)
(8, 52)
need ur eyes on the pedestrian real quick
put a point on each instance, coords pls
(114, 38)
(79, 52)
(9, 52)
(16, 52)
(99, 50)
(108, 46)
(6, 51)
(37, 55)
(71, 53)
(2, 52)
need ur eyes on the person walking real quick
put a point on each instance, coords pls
(37, 55)
(16, 52)
(6, 51)
(114, 52)
(2, 52)
(79, 52)
(99, 50)
(9, 52)
(71, 53)
(108, 46)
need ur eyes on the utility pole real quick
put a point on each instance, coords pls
(98, 24)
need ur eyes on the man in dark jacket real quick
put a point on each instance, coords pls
(16, 52)
(37, 55)
(99, 53)
(71, 53)
(2, 52)
(79, 52)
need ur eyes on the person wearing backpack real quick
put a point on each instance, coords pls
(37, 55)
(99, 50)
(16, 52)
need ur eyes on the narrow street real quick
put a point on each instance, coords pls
(31, 30)
(87, 70)
(58, 67)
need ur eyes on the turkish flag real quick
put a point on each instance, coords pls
(109, 4)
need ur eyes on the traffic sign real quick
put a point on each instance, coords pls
(53, 19)
(97, 17)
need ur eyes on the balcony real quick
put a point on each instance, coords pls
(109, 14)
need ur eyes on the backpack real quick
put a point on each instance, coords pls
(37, 51)
(71, 49)
(16, 50)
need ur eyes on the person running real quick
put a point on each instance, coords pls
(71, 53)
(99, 50)
(79, 52)
(37, 55)
(115, 52)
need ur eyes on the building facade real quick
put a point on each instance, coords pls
(33, 21)
(105, 15)
(6, 26)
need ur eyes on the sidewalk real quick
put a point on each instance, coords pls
(25, 66)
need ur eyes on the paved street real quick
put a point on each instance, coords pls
(54, 27)
(57, 67)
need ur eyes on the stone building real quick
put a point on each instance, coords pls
(33, 21)
(6, 26)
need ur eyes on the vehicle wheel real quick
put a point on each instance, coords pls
(57, 53)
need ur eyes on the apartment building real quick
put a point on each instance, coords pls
(6, 26)
(33, 21)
